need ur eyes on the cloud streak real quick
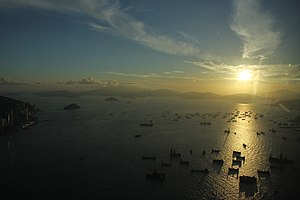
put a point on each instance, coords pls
(108, 15)
(255, 28)
(90, 81)
(7, 81)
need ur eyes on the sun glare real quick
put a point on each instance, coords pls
(245, 75)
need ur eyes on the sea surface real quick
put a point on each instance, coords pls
(92, 152)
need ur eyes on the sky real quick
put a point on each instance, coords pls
(194, 45)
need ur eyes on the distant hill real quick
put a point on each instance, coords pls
(114, 91)
(243, 97)
(199, 95)
(132, 92)
(58, 93)
(158, 93)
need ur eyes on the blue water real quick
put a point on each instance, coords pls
(91, 153)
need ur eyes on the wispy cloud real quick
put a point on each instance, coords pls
(212, 66)
(164, 75)
(7, 81)
(90, 81)
(108, 15)
(255, 27)
(271, 72)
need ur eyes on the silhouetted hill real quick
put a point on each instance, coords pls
(243, 97)
(131, 91)
(72, 106)
(58, 93)
(158, 93)
(114, 91)
(199, 95)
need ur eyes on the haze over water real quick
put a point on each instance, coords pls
(91, 153)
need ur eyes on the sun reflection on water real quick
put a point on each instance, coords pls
(241, 137)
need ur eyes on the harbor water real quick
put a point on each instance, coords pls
(94, 152)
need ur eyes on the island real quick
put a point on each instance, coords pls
(111, 99)
(72, 106)
(15, 113)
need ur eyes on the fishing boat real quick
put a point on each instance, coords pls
(233, 170)
(148, 158)
(156, 175)
(218, 161)
(163, 164)
(215, 150)
(174, 154)
(147, 124)
(236, 162)
(184, 162)
(248, 179)
(236, 153)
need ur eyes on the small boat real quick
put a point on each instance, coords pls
(205, 123)
(233, 170)
(240, 158)
(163, 164)
(218, 161)
(156, 175)
(236, 162)
(236, 153)
(148, 158)
(227, 131)
(173, 154)
(184, 162)
(204, 171)
(147, 124)
(248, 179)
(215, 150)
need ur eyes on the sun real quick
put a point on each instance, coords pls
(245, 75)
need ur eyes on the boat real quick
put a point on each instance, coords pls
(227, 131)
(163, 164)
(248, 179)
(240, 158)
(218, 161)
(138, 136)
(233, 170)
(184, 162)
(156, 175)
(236, 153)
(204, 171)
(147, 124)
(236, 162)
(215, 150)
(148, 158)
(205, 123)
(173, 154)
